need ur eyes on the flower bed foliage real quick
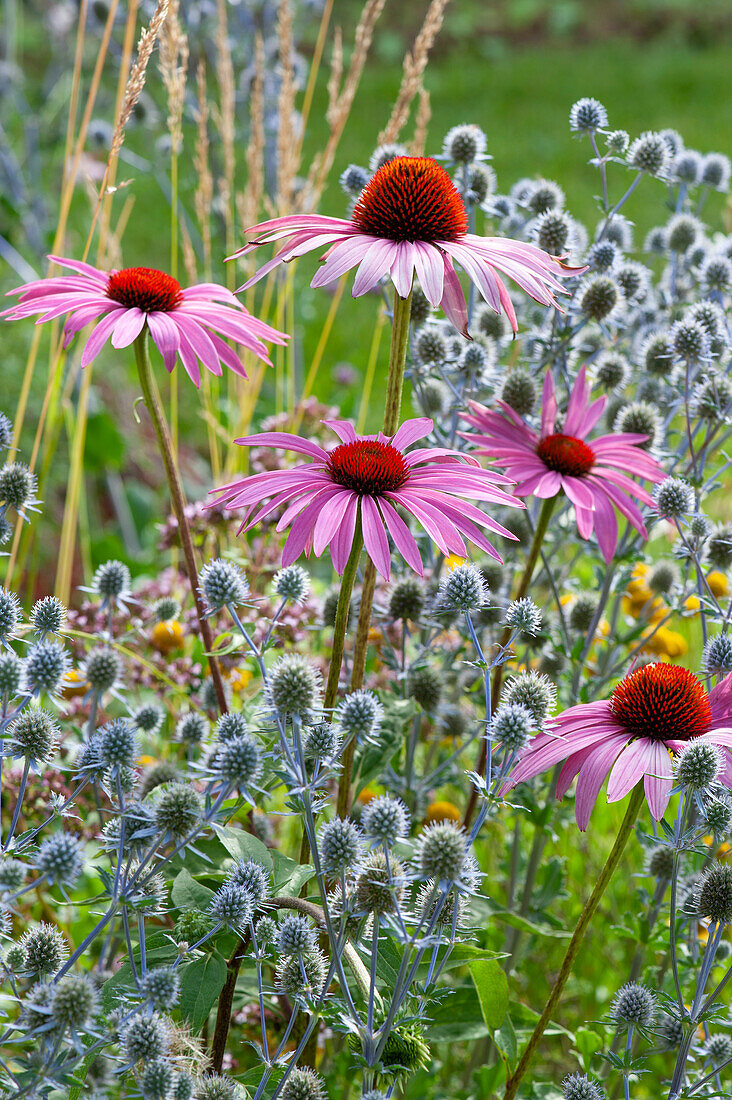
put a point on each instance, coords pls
(321, 807)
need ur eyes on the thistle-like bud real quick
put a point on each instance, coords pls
(523, 615)
(177, 810)
(232, 905)
(60, 858)
(302, 975)
(531, 690)
(48, 616)
(44, 950)
(112, 580)
(634, 1005)
(17, 485)
(161, 987)
(296, 936)
(674, 498)
(519, 391)
(512, 725)
(192, 728)
(102, 669)
(713, 894)
(145, 1038)
(649, 153)
(464, 144)
(385, 820)
(253, 877)
(340, 846)
(118, 744)
(407, 600)
(222, 584)
(294, 686)
(33, 735)
(74, 1002)
(587, 115)
(359, 715)
(579, 1087)
(441, 850)
(292, 583)
(462, 589)
(148, 718)
(425, 687)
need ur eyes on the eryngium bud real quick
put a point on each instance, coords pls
(611, 370)
(462, 589)
(11, 674)
(512, 725)
(232, 904)
(303, 1084)
(671, 1032)
(524, 615)
(148, 718)
(296, 936)
(682, 231)
(674, 498)
(716, 273)
(532, 690)
(385, 820)
(649, 153)
(145, 1038)
(552, 231)
(238, 760)
(379, 888)
(44, 949)
(360, 715)
(519, 391)
(217, 1086)
(713, 894)
(46, 664)
(294, 686)
(48, 616)
(634, 1005)
(718, 816)
(689, 339)
(165, 609)
(322, 743)
(161, 987)
(639, 417)
(17, 484)
(162, 772)
(382, 154)
(718, 1049)
(340, 846)
(661, 862)
(353, 179)
(60, 858)
(698, 765)
(716, 171)
(118, 744)
(407, 600)
(298, 975)
(111, 580)
(430, 345)
(102, 668)
(617, 142)
(74, 1002)
(177, 810)
(441, 851)
(292, 583)
(12, 875)
(464, 143)
(719, 547)
(222, 583)
(33, 735)
(253, 877)
(598, 296)
(425, 687)
(579, 1087)
(156, 1080)
(587, 115)
(6, 431)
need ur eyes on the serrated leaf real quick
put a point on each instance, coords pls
(200, 986)
(491, 985)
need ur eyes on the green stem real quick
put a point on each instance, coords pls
(178, 501)
(541, 528)
(392, 408)
(341, 618)
(626, 828)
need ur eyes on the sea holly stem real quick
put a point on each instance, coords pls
(178, 501)
(626, 828)
(394, 387)
(542, 525)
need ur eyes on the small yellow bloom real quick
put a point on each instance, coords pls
(239, 678)
(73, 684)
(366, 795)
(167, 636)
(718, 583)
(442, 811)
(453, 561)
(146, 761)
(692, 603)
(664, 642)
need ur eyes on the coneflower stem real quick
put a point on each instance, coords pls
(626, 828)
(178, 501)
(540, 531)
(341, 618)
(392, 409)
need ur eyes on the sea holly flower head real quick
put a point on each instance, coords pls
(410, 220)
(652, 715)
(365, 479)
(593, 473)
(192, 323)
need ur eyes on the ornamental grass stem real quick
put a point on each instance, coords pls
(392, 409)
(178, 501)
(626, 828)
(542, 525)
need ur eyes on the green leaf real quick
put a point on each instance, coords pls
(491, 985)
(242, 845)
(289, 876)
(505, 1039)
(517, 921)
(200, 986)
(104, 447)
(458, 1018)
(587, 1044)
(186, 893)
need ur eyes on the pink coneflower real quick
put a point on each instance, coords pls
(594, 474)
(194, 323)
(652, 713)
(410, 218)
(370, 476)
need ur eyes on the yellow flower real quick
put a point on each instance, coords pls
(366, 795)
(639, 601)
(692, 603)
(73, 684)
(664, 642)
(453, 561)
(239, 678)
(442, 811)
(167, 636)
(718, 583)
